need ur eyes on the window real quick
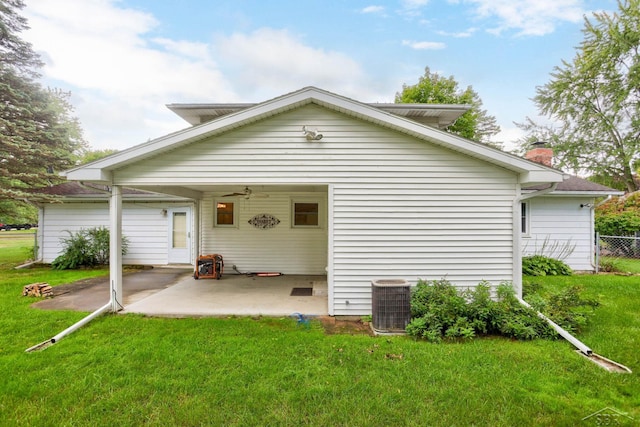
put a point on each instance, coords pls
(524, 218)
(225, 214)
(305, 214)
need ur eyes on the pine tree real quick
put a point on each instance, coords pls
(38, 135)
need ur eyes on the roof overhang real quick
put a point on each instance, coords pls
(587, 194)
(529, 173)
(438, 115)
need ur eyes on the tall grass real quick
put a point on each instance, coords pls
(134, 370)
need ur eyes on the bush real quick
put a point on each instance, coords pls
(86, 248)
(540, 265)
(609, 265)
(567, 307)
(619, 216)
(439, 311)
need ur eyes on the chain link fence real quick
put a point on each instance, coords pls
(608, 247)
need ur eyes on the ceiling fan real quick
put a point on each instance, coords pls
(247, 193)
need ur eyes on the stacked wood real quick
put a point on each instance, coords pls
(37, 290)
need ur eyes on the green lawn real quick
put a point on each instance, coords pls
(623, 265)
(132, 370)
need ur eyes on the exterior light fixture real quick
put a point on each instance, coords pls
(311, 134)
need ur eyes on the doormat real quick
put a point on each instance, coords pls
(301, 292)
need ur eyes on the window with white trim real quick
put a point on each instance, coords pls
(225, 214)
(524, 218)
(305, 214)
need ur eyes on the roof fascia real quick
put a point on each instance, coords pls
(560, 193)
(125, 197)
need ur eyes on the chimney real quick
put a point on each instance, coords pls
(540, 154)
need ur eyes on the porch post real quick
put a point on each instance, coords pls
(115, 248)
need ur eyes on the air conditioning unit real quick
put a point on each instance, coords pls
(390, 305)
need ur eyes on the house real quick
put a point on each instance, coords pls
(315, 183)
(86, 205)
(560, 224)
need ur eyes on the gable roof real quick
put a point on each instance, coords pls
(572, 185)
(101, 170)
(440, 115)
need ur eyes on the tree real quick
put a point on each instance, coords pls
(594, 101)
(38, 135)
(90, 155)
(432, 88)
(14, 51)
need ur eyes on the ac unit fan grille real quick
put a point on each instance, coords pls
(391, 305)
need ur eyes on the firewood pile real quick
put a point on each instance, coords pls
(38, 290)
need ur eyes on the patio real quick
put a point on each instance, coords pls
(236, 295)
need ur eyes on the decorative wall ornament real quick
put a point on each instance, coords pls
(264, 221)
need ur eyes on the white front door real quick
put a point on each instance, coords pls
(179, 235)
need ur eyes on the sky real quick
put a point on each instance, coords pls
(124, 60)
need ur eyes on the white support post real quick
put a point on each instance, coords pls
(115, 248)
(517, 246)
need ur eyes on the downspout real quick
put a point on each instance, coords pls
(38, 236)
(85, 186)
(70, 329)
(584, 350)
(538, 193)
(562, 332)
(115, 273)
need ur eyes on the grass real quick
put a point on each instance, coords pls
(134, 370)
(622, 265)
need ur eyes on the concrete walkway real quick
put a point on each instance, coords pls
(236, 295)
(91, 294)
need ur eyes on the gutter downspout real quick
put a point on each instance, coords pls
(562, 332)
(87, 187)
(115, 273)
(538, 193)
(70, 329)
(601, 361)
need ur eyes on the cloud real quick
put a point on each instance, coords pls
(373, 9)
(269, 62)
(120, 78)
(509, 137)
(528, 17)
(423, 45)
(459, 35)
(414, 4)
(121, 73)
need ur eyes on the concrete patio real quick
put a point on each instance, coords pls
(236, 295)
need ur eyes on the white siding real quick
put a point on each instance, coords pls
(402, 207)
(143, 224)
(561, 222)
(283, 248)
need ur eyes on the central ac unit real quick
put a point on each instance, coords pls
(390, 305)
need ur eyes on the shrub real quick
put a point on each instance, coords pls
(540, 265)
(619, 216)
(439, 311)
(86, 248)
(609, 265)
(567, 307)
